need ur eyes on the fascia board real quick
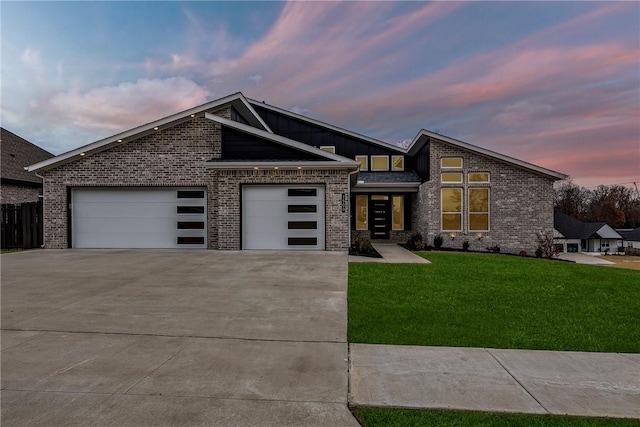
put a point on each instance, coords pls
(283, 165)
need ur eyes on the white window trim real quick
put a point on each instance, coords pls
(452, 167)
(469, 213)
(461, 213)
(366, 199)
(366, 162)
(451, 182)
(488, 181)
(402, 220)
(331, 147)
(393, 162)
(380, 157)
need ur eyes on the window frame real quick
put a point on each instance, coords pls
(487, 213)
(328, 148)
(366, 211)
(443, 212)
(393, 163)
(451, 167)
(366, 162)
(379, 157)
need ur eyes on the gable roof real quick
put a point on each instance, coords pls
(16, 154)
(278, 139)
(424, 136)
(236, 100)
(572, 228)
(632, 235)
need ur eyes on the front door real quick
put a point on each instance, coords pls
(380, 214)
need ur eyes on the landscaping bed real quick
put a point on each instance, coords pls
(486, 300)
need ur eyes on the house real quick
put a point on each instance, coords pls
(236, 173)
(572, 235)
(631, 237)
(17, 185)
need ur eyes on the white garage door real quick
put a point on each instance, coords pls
(139, 218)
(283, 217)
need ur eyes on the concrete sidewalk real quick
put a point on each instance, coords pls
(580, 258)
(392, 254)
(477, 379)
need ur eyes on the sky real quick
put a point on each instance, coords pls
(552, 83)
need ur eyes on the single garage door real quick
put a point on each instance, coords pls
(283, 217)
(139, 217)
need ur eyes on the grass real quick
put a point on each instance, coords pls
(390, 417)
(497, 301)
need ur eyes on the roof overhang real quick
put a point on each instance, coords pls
(404, 187)
(237, 100)
(424, 136)
(284, 165)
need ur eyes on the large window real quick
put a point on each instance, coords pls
(397, 163)
(398, 213)
(451, 162)
(361, 213)
(451, 203)
(478, 209)
(379, 163)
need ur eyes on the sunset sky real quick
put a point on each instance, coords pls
(553, 83)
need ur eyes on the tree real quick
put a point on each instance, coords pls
(570, 199)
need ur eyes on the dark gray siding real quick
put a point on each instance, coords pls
(421, 162)
(241, 146)
(236, 117)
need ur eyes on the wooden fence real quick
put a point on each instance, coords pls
(22, 226)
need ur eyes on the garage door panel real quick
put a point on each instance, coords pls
(137, 218)
(274, 219)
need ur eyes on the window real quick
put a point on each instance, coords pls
(361, 213)
(397, 222)
(451, 162)
(364, 162)
(451, 206)
(478, 209)
(328, 148)
(302, 192)
(478, 177)
(302, 225)
(189, 194)
(397, 163)
(302, 241)
(190, 240)
(190, 209)
(190, 225)
(302, 209)
(451, 177)
(379, 197)
(379, 163)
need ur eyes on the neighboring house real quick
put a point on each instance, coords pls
(631, 237)
(19, 186)
(572, 235)
(241, 174)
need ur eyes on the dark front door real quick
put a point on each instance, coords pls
(380, 214)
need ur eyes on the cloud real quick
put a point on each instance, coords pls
(129, 104)
(256, 78)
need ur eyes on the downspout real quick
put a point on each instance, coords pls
(42, 219)
(349, 204)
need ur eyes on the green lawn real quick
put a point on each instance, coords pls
(497, 301)
(377, 417)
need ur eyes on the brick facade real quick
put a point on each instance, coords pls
(17, 194)
(521, 203)
(176, 157)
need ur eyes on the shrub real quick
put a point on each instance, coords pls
(523, 253)
(545, 244)
(495, 249)
(465, 245)
(415, 242)
(539, 252)
(437, 242)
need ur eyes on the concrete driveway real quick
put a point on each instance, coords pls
(161, 337)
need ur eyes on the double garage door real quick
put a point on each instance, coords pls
(139, 218)
(273, 217)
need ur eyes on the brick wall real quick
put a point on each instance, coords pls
(336, 183)
(167, 158)
(17, 194)
(521, 203)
